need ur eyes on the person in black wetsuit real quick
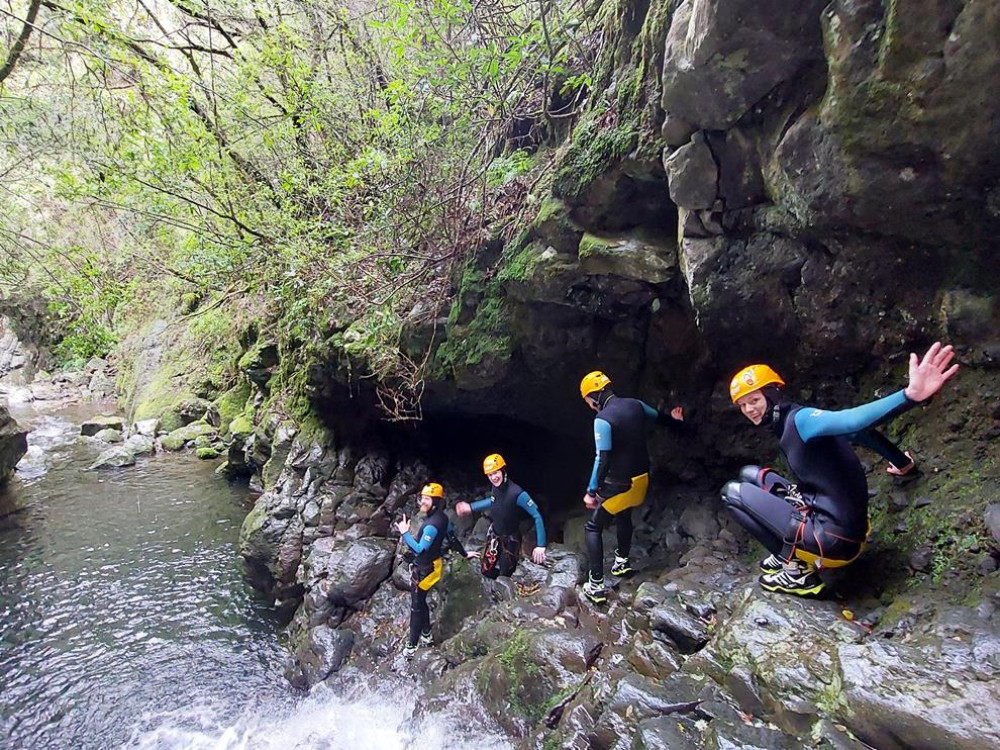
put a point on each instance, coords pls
(506, 504)
(822, 522)
(620, 477)
(427, 552)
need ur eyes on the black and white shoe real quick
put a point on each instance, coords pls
(409, 650)
(426, 641)
(595, 591)
(771, 564)
(621, 566)
(796, 578)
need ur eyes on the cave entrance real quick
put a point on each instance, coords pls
(550, 466)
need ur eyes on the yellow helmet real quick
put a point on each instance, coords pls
(433, 489)
(751, 379)
(592, 382)
(493, 462)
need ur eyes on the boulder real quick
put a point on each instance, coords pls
(348, 573)
(94, 425)
(693, 175)
(13, 444)
(324, 651)
(108, 436)
(114, 458)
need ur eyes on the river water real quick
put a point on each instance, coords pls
(125, 619)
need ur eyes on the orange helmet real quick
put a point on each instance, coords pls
(592, 382)
(751, 379)
(432, 489)
(493, 462)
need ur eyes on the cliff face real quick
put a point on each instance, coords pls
(815, 185)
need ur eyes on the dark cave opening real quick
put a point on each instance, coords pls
(550, 466)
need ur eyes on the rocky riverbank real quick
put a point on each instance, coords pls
(688, 653)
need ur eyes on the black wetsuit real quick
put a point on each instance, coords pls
(435, 532)
(507, 505)
(620, 476)
(826, 513)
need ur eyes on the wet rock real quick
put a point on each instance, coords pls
(323, 653)
(725, 734)
(651, 658)
(189, 433)
(13, 444)
(92, 426)
(921, 559)
(672, 732)
(692, 174)
(139, 445)
(992, 521)
(147, 427)
(207, 453)
(349, 573)
(721, 57)
(637, 697)
(699, 522)
(631, 256)
(113, 458)
(109, 436)
(101, 386)
(926, 713)
(687, 632)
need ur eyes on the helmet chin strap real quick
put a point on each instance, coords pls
(774, 399)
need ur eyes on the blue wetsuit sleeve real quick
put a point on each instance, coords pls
(602, 440)
(525, 503)
(813, 423)
(481, 505)
(425, 541)
(651, 413)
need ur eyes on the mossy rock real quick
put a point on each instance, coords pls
(207, 453)
(173, 442)
(231, 405)
(240, 426)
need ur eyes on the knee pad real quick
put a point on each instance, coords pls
(591, 527)
(731, 494)
(751, 474)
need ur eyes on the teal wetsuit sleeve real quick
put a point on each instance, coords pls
(481, 505)
(651, 413)
(430, 533)
(602, 440)
(813, 423)
(525, 503)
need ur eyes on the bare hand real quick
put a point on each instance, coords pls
(404, 525)
(902, 470)
(677, 413)
(928, 375)
(471, 555)
(463, 509)
(538, 555)
(590, 501)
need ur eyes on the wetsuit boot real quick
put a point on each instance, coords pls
(426, 641)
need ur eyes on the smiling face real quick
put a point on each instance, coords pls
(753, 405)
(495, 477)
(426, 503)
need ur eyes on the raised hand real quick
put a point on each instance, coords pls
(677, 413)
(928, 375)
(463, 509)
(403, 525)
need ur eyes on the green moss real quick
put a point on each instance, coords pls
(597, 146)
(207, 453)
(486, 336)
(231, 405)
(241, 425)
